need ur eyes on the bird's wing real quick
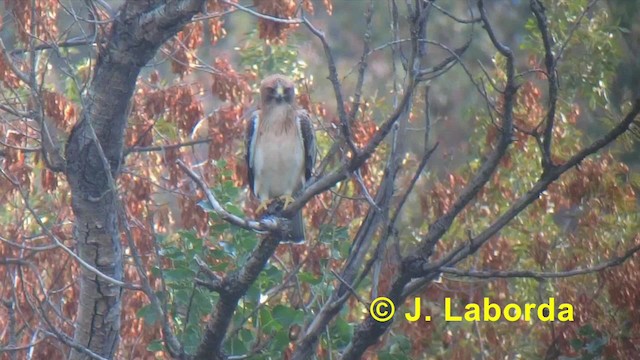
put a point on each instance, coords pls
(309, 142)
(250, 146)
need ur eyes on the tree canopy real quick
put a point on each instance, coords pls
(469, 153)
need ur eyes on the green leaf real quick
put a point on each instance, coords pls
(341, 332)
(281, 340)
(191, 338)
(286, 316)
(576, 344)
(229, 249)
(149, 314)
(192, 241)
(253, 295)
(173, 253)
(233, 209)
(179, 274)
(246, 336)
(155, 271)
(202, 304)
(236, 346)
(309, 278)
(221, 163)
(269, 325)
(155, 345)
(586, 330)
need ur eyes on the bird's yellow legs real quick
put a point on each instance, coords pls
(287, 199)
(263, 205)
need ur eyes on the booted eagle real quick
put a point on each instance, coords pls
(280, 148)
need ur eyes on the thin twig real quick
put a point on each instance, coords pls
(59, 243)
(337, 88)
(262, 16)
(140, 149)
(269, 224)
(500, 274)
(549, 61)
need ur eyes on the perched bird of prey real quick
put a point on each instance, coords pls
(281, 148)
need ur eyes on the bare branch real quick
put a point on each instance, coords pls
(412, 183)
(14, 67)
(484, 173)
(455, 18)
(348, 286)
(575, 26)
(549, 61)
(173, 345)
(367, 196)
(263, 16)
(471, 246)
(94, 156)
(59, 243)
(364, 237)
(233, 287)
(363, 64)
(140, 149)
(214, 282)
(337, 88)
(63, 44)
(539, 275)
(263, 225)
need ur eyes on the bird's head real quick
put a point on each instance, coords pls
(277, 89)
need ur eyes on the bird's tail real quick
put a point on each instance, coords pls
(296, 235)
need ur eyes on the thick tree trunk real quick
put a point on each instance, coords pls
(94, 204)
(137, 32)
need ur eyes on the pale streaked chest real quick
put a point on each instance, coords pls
(279, 156)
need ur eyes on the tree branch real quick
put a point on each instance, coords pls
(262, 16)
(550, 64)
(270, 224)
(94, 156)
(337, 88)
(233, 287)
(461, 252)
(540, 275)
(442, 224)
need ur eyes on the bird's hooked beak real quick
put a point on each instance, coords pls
(279, 92)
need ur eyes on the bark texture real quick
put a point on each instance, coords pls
(138, 30)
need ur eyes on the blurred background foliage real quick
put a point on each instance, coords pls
(202, 83)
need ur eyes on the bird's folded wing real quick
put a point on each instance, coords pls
(309, 142)
(250, 146)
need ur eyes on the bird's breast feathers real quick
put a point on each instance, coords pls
(279, 156)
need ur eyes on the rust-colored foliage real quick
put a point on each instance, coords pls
(7, 77)
(44, 24)
(282, 9)
(591, 196)
(182, 48)
(59, 109)
(228, 84)
(215, 25)
(49, 180)
(226, 123)
(170, 109)
(183, 107)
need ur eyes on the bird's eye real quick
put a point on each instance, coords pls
(270, 94)
(289, 94)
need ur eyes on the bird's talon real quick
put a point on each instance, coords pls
(263, 206)
(288, 199)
